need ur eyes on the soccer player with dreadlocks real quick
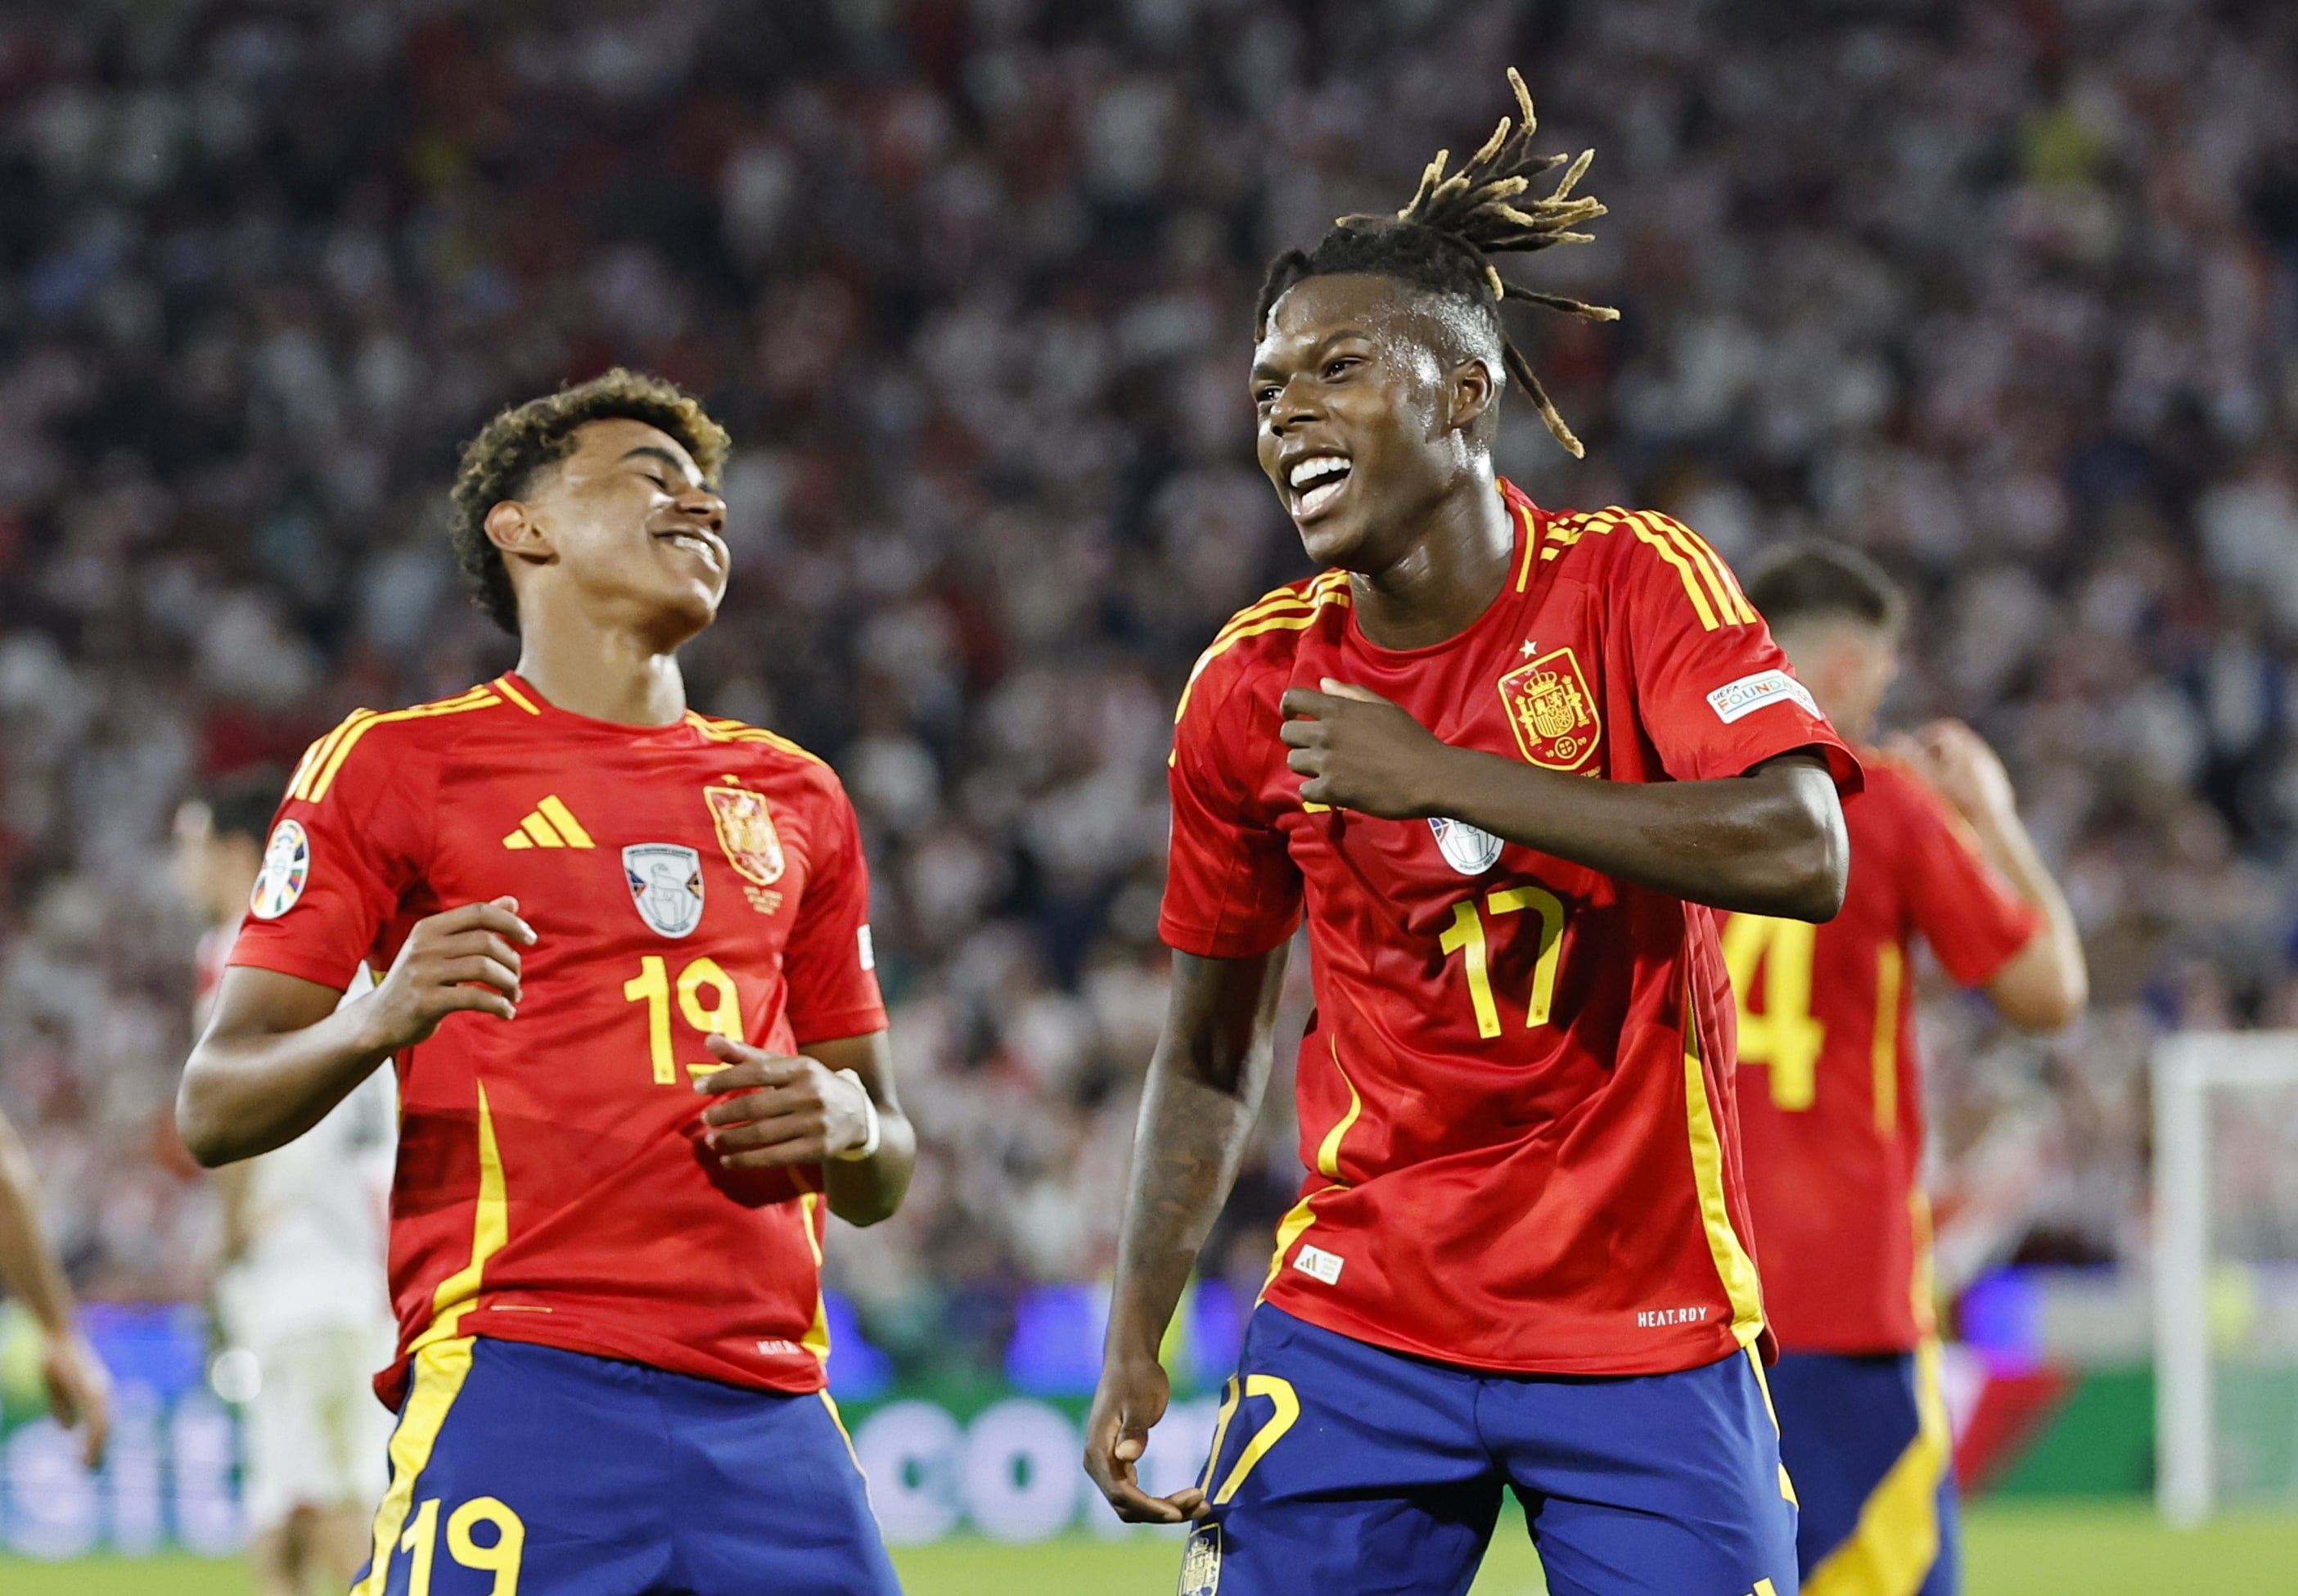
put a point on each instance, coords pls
(1510, 759)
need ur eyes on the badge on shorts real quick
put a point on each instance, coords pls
(666, 885)
(287, 866)
(1201, 1563)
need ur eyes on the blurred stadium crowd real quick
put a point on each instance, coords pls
(2007, 295)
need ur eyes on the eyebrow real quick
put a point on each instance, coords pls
(1261, 369)
(684, 469)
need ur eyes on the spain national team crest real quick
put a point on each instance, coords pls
(746, 831)
(1551, 711)
(1201, 1563)
(666, 885)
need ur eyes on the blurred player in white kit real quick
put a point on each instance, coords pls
(301, 1291)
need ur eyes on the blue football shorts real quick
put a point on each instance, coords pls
(1346, 1469)
(1866, 1440)
(519, 1467)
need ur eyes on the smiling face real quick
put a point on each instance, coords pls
(1375, 403)
(623, 528)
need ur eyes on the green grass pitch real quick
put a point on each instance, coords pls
(2118, 1549)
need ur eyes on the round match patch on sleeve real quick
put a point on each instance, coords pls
(286, 867)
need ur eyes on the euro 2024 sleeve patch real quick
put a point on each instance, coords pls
(286, 867)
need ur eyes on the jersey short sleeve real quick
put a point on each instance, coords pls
(349, 840)
(1716, 693)
(1231, 888)
(1975, 920)
(830, 965)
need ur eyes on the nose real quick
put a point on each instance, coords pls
(704, 506)
(1292, 405)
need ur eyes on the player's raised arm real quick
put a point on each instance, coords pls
(1197, 1110)
(278, 1051)
(1769, 842)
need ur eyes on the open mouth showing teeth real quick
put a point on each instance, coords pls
(696, 543)
(1316, 481)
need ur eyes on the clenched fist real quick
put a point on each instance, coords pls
(464, 958)
(1360, 751)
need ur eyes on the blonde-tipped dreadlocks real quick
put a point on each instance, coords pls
(1443, 239)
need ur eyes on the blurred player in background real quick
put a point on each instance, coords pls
(610, 927)
(79, 1390)
(1503, 755)
(1833, 1129)
(301, 1291)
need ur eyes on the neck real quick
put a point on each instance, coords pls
(615, 676)
(1453, 563)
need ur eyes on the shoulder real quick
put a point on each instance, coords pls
(373, 743)
(770, 753)
(1256, 645)
(1639, 550)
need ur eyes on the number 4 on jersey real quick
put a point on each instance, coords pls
(1777, 953)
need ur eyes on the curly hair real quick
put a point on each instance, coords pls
(1440, 241)
(501, 463)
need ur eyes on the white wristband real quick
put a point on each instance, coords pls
(869, 1144)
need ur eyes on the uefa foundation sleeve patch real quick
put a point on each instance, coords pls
(1749, 694)
(287, 866)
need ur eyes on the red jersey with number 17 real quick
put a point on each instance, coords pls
(1831, 1123)
(1515, 1094)
(553, 1186)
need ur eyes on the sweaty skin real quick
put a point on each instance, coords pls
(1361, 366)
(618, 558)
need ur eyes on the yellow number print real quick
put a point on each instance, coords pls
(1285, 1412)
(720, 1011)
(1784, 1035)
(501, 1557)
(1466, 936)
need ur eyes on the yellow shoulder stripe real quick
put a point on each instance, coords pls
(718, 731)
(1283, 600)
(1286, 621)
(1714, 575)
(317, 772)
(504, 685)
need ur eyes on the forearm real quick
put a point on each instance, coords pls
(247, 1093)
(1191, 1140)
(27, 1268)
(2005, 840)
(864, 1191)
(1771, 842)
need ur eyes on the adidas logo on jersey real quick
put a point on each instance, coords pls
(551, 824)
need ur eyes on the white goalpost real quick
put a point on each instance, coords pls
(2226, 1271)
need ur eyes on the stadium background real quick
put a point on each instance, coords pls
(2006, 294)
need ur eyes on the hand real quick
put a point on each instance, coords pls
(1957, 763)
(775, 1112)
(465, 958)
(1360, 751)
(79, 1390)
(1126, 1404)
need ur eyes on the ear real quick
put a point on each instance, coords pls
(1469, 392)
(513, 527)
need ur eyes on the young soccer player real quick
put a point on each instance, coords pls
(301, 1289)
(1503, 756)
(639, 1047)
(1832, 1129)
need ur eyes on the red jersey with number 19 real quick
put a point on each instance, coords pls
(1515, 1094)
(553, 1186)
(1832, 1127)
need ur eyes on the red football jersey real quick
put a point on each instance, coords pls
(552, 1183)
(1833, 1140)
(1516, 1093)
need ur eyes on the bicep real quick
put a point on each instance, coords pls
(1221, 1011)
(252, 1002)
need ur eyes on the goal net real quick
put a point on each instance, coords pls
(2226, 1272)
